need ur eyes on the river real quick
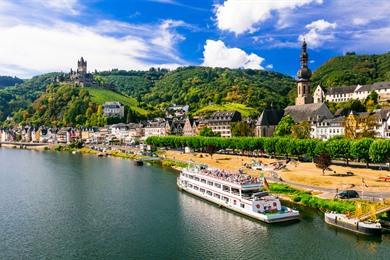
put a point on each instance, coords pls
(59, 205)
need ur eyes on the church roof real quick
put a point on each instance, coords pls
(308, 112)
(375, 86)
(340, 90)
(269, 117)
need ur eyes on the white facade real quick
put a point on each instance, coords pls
(328, 128)
(359, 92)
(113, 109)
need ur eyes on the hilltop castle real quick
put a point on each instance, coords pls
(81, 75)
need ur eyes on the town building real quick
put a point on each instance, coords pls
(328, 128)
(175, 126)
(190, 127)
(177, 111)
(355, 92)
(267, 121)
(113, 109)
(156, 128)
(221, 122)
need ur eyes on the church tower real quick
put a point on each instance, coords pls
(303, 82)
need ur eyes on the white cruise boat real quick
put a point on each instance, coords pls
(238, 192)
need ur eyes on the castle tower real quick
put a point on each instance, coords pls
(82, 66)
(303, 82)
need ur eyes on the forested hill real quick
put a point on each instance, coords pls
(353, 69)
(6, 81)
(202, 86)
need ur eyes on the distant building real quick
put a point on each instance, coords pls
(177, 111)
(267, 121)
(310, 112)
(328, 128)
(190, 127)
(156, 128)
(175, 126)
(221, 122)
(358, 92)
(113, 109)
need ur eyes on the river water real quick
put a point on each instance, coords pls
(60, 205)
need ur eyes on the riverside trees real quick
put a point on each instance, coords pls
(365, 149)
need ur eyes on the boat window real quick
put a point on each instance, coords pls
(210, 183)
(242, 205)
(217, 185)
(226, 199)
(217, 195)
(226, 188)
(235, 191)
(190, 185)
(248, 193)
(209, 193)
(196, 178)
(203, 180)
(196, 188)
(191, 177)
(202, 190)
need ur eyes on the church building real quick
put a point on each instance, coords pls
(305, 108)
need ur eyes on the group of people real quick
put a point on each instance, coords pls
(237, 178)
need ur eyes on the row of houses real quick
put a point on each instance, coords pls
(355, 92)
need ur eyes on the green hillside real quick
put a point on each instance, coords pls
(352, 70)
(6, 81)
(244, 110)
(100, 96)
(132, 83)
(203, 86)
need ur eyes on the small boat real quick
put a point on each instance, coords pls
(102, 155)
(353, 224)
(139, 163)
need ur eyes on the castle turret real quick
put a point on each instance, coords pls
(82, 66)
(303, 83)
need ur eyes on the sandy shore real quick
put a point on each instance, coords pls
(300, 173)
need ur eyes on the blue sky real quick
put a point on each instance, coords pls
(50, 35)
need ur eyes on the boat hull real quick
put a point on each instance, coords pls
(356, 227)
(271, 218)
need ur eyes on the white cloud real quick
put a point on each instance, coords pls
(240, 16)
(319, 33)
(270, 66)
(217, 54)
(69, 6)
(32, 46)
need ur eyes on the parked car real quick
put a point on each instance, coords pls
(348, 194)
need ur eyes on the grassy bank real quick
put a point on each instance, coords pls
(173, 164)
(308, 199)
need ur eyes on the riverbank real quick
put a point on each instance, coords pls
(302, 175)
(175, 160)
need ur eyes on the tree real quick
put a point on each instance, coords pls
(380, 151)
(207, 132)
(211, 149)
(241, 128)
(323, 161)
(339, 149)
(360, 149)
(284, 126)
(301, 130)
